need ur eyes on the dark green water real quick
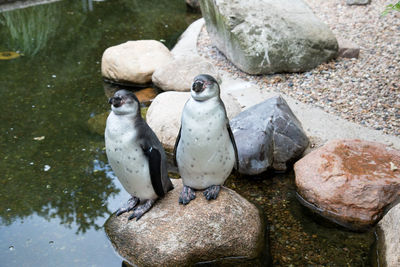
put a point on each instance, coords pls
(56, 192)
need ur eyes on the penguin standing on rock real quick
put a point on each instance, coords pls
(205, 149)
(135, 154)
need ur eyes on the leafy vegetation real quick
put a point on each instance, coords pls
(391, 7)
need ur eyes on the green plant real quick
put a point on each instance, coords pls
(391, 7)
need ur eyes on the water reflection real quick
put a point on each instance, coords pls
(77, 199)
(87, 5)
(30, 29)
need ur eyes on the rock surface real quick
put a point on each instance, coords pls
(164, 114)
(179, 74)
(388, 233)
(134, 62)
(193, 4)
(348, 49)
(358, 2)
(187, 42)
(268, 135)
(349, 181)
(263, 37)
(175, 235)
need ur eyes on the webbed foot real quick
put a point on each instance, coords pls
(212, 192)
(186, 195)
(142, 209)
(130, 205)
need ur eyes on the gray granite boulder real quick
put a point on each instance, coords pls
(268, 135)
(388, 235)
(269, 36)
(220, 231)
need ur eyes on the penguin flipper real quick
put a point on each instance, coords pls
(232, 137)
(176, 146)
(154, 158)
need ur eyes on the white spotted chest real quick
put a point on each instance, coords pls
(205, 153)
(126, 157)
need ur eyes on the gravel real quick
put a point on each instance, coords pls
(364, 90)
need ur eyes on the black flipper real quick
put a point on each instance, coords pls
(234, 146)
(154, 158)
(176, 146)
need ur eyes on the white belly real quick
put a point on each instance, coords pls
(127, 159)
(205, 153)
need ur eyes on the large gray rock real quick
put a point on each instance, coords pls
(388, 235)
(175, 235)
(164, 114)
(134, 61)
(268, 135)
(179, 73)
(269, 36)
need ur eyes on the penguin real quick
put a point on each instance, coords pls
(135, 155)
(205, 150)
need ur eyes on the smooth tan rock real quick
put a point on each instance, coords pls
(179, 74)
(165, 112)
(134, 61)
(349, 181)
(388, 233)
(175, 235)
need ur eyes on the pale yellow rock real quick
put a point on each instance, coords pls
(134, 61)
(179, 74)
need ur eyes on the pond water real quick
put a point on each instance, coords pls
(56, 189)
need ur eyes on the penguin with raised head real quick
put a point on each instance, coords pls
(135, 155)
(205, 149)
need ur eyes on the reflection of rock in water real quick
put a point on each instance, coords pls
(9, 5)
(31, 29)
(145, 95)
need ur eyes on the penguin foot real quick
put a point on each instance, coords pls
(186, 195)
(212, 192)
(130, 205)
(142, 209)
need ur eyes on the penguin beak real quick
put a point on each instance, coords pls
(115, 101)
(197, 86)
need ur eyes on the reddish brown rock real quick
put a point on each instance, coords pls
(228, 230)
(349, 181)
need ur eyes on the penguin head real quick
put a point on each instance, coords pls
(204, 87)
(124, 102)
